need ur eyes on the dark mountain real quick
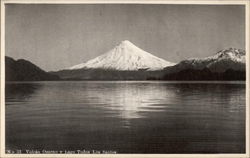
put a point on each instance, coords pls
(186, 74)
(205, 75)
(104, 74)
(23, 70)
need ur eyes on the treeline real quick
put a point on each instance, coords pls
(202, 75)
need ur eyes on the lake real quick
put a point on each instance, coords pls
(126, 116)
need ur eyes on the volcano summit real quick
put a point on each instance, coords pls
(125, 57)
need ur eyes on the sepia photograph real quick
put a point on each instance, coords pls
(124, 77)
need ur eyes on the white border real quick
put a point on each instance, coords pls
(202, 2)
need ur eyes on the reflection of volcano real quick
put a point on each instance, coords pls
(132, 100)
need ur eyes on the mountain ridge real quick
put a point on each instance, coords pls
(221, 61)
(216, 67)
(227, 64)
(24, 70)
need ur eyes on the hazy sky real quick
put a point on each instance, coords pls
(59, 36)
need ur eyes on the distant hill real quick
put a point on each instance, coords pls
(222, 61)
(23, 70)
(204, 75)
(104, 74)
(183, 75)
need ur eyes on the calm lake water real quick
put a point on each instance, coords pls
(126, 116)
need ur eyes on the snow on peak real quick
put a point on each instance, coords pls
(237, 55)
(234, 54)
(126, 42)
(125, 56)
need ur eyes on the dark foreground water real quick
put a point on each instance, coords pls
(127, 116)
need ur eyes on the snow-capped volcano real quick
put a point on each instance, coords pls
(125, 56)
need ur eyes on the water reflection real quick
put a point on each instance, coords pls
(127, 100)
(131, 100)
(115, 116)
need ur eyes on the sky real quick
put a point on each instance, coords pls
(58, 36)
